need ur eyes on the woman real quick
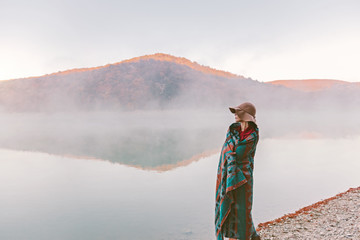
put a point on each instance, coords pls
(234, 185)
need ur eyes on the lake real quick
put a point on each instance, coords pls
(77, 184)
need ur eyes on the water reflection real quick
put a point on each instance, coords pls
(50, 197)
(53, 197)
(154, 140)
(135, 139)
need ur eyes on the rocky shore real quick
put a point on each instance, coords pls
(337, 217)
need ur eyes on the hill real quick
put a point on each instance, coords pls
(157, 81)
(312, 85)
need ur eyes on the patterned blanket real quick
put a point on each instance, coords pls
(234, 184)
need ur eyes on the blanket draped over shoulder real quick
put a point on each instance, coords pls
(234, 185)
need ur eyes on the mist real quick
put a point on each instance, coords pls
(108, 138)
(154, 138)
(160, 109)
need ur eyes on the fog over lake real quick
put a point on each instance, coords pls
(101, 175)
(164, 137)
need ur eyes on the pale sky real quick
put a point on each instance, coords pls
(265, 40)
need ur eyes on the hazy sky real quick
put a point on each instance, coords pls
(265, 40)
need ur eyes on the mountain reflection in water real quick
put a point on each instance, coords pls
(143, 139)
(54, 197)
(154, 139)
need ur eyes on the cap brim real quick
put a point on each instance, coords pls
(233, 110)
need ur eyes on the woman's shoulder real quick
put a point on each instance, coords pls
(234, 125)
(254, 126)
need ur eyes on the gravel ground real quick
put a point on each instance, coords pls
(333, 218)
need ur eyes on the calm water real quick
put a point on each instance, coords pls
(46, 196)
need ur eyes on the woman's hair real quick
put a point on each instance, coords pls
(251, 124)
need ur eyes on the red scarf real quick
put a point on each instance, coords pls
(247, 132)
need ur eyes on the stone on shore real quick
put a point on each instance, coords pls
(333, 218)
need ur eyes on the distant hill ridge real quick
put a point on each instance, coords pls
(158, 57)
(157, 81)
(313, 85)
(162, 81)
(183, 61)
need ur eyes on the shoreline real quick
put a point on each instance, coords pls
(337, 217)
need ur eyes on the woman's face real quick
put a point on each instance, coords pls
(237, 119)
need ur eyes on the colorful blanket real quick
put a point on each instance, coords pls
(234, 184)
